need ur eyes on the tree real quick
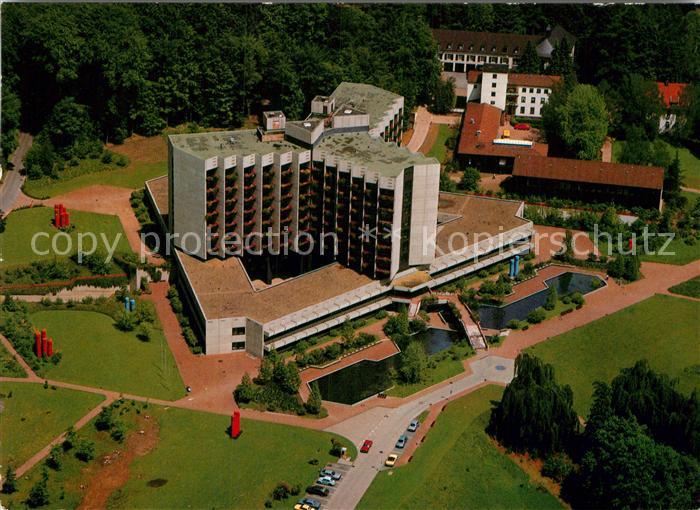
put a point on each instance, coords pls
(347, 332)
(562, 62)
(470, 179)
(638, 103)
(583, 122)
(447, 184)
(552, 299)
(673, 179)
(39, 493)
(245, 391)
(54, 460)
(9, 484)
(443, 96)
(624, 468)
(530, 61)
(413, 363)
(313, 404)
(143, 333)
(535, 414)
(105, 419)
(85, 450)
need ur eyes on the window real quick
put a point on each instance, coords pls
(482, 59)
(494, 76)
(505, 49)
(546, 91)
(516, 50)
(238, 331)
(441, 56)
(493, 94)
(539, 91)
(460, 46)
(532, 99)
(449, 46)
(522, 110)
(449, 56)
(460, 57)
(493, 85)
(493, 102)
(532, 91)
(237, 346)
(471, 47)
(471, 58)
(493, 49)
(504, 60)
(532, 110)
(541, 100)
(522, 99)
(493, 60)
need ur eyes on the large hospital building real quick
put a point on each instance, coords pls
(287, 230)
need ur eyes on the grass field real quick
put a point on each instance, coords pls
(690, 164)
(16, 241)
(690, 288)
(439, 149)
(8, 365)
(662, 329)
(233, 474)
(196, 464)
(458, 467)
(96, 354)
(678, 252)
(33, 416)
(95, 172)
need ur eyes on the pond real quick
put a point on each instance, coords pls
(366, 378)
(496, 317)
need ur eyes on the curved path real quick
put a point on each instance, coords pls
(11, 188)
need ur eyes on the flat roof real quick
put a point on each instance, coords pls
(226, 143)
(159, 191)
(365, 98)
(223, 289)
(474, 216)
(594, 172)
(387, 158)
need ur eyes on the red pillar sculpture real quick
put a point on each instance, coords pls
(235, 424)
(37, 339)
(43, 342)
(49, 347)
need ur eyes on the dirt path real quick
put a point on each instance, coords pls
(113, 470)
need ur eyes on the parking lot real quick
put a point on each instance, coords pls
(399, 451)
(334, 466)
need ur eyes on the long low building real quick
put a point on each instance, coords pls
(589, 181)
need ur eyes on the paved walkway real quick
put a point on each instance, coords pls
(421, 126)
(11, 189)
(383, 426)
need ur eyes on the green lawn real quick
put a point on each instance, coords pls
(95, 172)
(96, 354)
(678, 252)
(9, 366)
(662, 329)
(16, 241)
(690, 164)
(439, 149)
(689, 288)
(33, 416)
(458, 467)
(445, 368)
(196, 457)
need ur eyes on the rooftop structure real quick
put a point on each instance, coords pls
(226, 143)
(366, 98)
(671, 93)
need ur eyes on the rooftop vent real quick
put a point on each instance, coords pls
(307, 124)
(347, 112)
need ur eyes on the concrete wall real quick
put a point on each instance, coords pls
(493, 89)
(188, 210)
(255, 338)
(220, 337)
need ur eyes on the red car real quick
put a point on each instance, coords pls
(366, 446)
(523, 126)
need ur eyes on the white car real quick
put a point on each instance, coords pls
(326, 480)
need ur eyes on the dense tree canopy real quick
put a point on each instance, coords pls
(142, 67)
(535, 414)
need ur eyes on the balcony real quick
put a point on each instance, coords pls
(214, 227)
(250, 187)
(286, 185)
(250, 199)
(212, 216)
(231, 203)
(249, 172)
(212, 204)
(212, 180)
(249, 223)
(250, 211)
(231, 225)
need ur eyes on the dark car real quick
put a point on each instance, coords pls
(317, 490)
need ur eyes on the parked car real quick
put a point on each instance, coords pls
(522, 126)
(310, 502)
(329, 472)
(302, 506)
(391, 460)
(317, 490)
(325, 480)
(402, 441)
(366, 446)
(413, 426)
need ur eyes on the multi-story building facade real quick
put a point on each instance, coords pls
(459, 51)
(288, 230)
(517, 94)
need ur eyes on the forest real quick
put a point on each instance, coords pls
(104, 71)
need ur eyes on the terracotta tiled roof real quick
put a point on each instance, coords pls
(505, 44)
(671, 92)
(533, 80)
(473, 76)
(594, 172)
(480, 128)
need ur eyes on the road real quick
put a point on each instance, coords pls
(383, 426)
(12, 185)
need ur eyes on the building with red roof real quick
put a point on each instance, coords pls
(591, 181)
(672, 97)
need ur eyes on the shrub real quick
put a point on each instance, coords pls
(513, 324)
(105, 420)
(381, 314)
(143, 333)
(54, 459)
(557, 467)
(536, 316)
(126, 322)
(39, 493)
(118, 432)
(106, 157)
(9, 484)
(85, 451)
